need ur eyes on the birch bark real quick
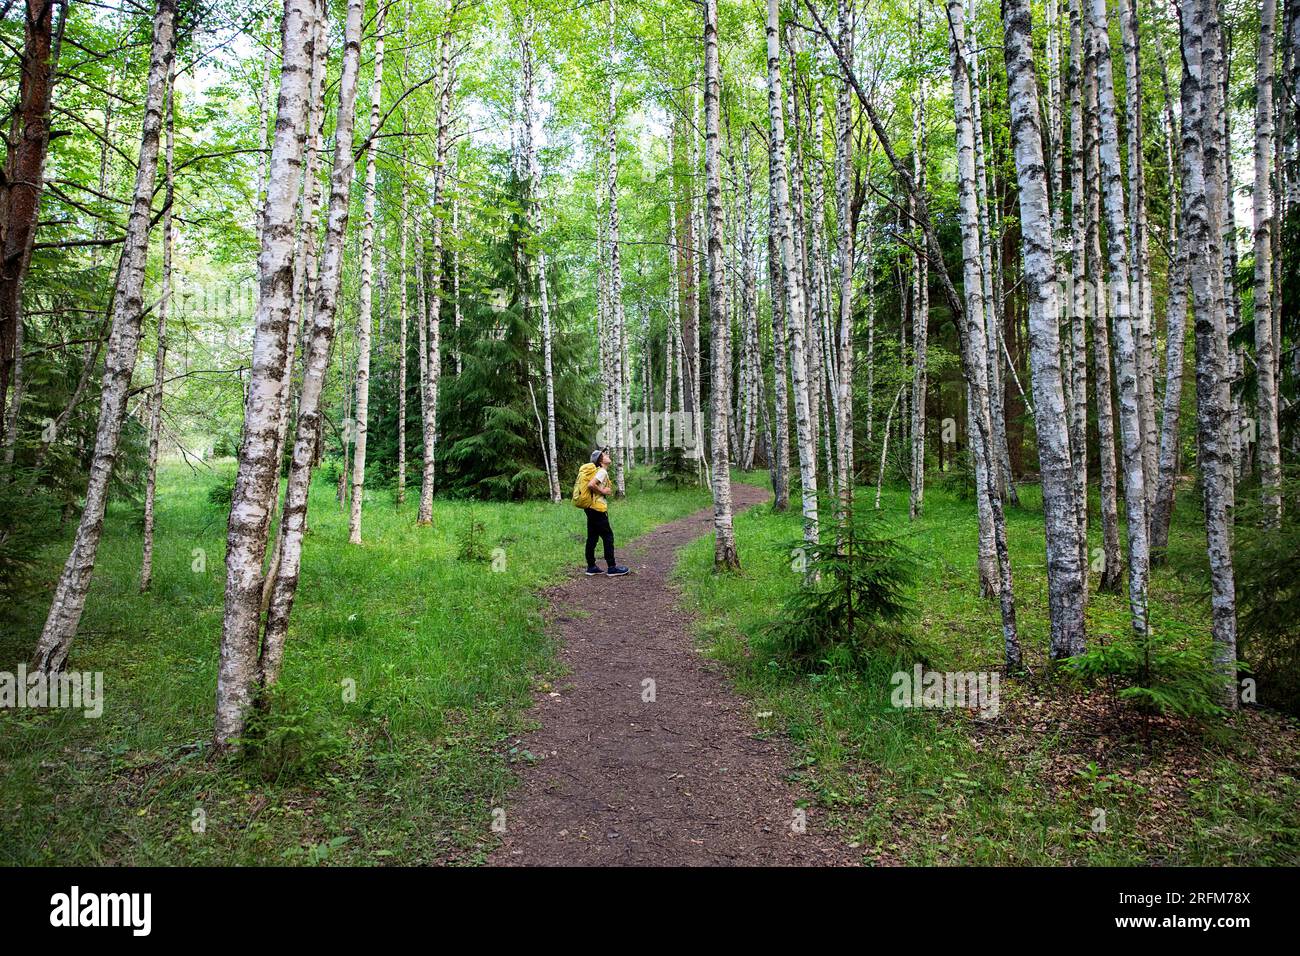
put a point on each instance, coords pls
(1066, 587)
(361, 413)
(1127, 325)
(160, 352)
(256, 480)
(119, 363)
(724, 551)
(794, 302)
(318, 346)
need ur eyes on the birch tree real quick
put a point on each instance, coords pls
(533, 170)
(1066, 588)
(1203, 182)
(617, 341)
(724, 552)
(1140, 285)
(1126, 325)
(794, 313)
(845, 262)
(361, 410)
(1078, 303)
(431, 299)
(256, 479)
(1112, 569)
(1270, 454)
(921, 304)
(318, 345)
(160, 333)
(119, 361)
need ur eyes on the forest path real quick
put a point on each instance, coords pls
(682, 780)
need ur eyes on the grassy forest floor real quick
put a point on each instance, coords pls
(446, 654)
(942, 786)
(443, 650)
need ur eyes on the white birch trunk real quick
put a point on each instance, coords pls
(794, 302)
(431, 298)
(1127, 326)
(1078, 300)
(845, 262)
(724, 551)
(617, 340)
(1066, 587)
(1139, 280)
(921, 311)
(119, 363)
(317, 347)
(1203, 203)
(160, 352)
(1112, 572)
(780, 379)
(257, 477)
(361, 413)
(1270, 454)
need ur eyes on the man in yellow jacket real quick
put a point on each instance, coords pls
(589, 494)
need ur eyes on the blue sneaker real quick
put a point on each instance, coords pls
(615, 571)
(594, 570)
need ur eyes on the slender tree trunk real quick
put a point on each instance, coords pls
(1270, 454)
(724, 553)
(364, 308)
(1112, 570)
(455, 261)
(402, 214)
(1203, 203)
(1139, 280)
(1228, 230)
(992, 309)
(1162, 505)
(921, 315)
(304, 266)
(431, 298)
(256, 481)
(160, 353)
(1066, 573)
(780, 380)
(119, 363)
(749, 316)
(318, 345)
(1078, 300)
(979, 412)
(28, 141)
(794, 302)
(844, 255)
(1127, 324)
(674, 382)
(618, 450)
(884, 444)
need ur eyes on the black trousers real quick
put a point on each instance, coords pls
(598, 527)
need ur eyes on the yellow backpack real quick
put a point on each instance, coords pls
(581, 493)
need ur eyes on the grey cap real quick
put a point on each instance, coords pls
(595, 456)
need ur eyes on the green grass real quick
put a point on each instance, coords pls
(443, 654)
(934, 787)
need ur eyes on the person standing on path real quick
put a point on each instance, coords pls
(589, 493)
